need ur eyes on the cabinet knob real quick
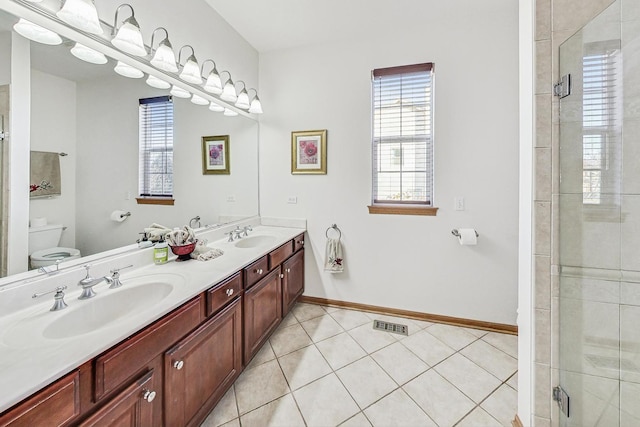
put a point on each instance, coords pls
(282, 276)
(149, 395)
(229, 292)
(288, 270)
(258, 270)
(178, 364)
(301, 242)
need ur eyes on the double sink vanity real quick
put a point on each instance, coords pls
(162, 349)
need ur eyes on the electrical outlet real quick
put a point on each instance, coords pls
(459, 203)
(231, 198)
(292, 200)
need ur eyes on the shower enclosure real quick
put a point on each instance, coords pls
(599, 221)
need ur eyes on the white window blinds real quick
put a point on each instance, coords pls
(403, 135)
(156, 147)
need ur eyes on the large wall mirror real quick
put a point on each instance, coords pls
(90, 113)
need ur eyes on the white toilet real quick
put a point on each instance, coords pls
(43, 246)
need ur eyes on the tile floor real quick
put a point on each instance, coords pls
(327, 366)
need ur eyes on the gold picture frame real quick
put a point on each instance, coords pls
(215, 155)
(309, 152)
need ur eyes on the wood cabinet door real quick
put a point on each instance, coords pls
(293, 281)
(201, 367)
(262, 312)
(56, 405)
(131, 407)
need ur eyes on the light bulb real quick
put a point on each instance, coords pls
(164, 58)
(129, 39)
(213, 83)
(229, 92)
(82, 14)
(191, 71)
(256, 106)
(198, 100)
(230, 113)
(243, 100)
(216, 107)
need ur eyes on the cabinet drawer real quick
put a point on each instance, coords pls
(277, 256)
(255, 272)
(54, 406)
(298, 242)
(223, 293)
(118, 364)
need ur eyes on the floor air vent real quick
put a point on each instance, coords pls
(391, 327)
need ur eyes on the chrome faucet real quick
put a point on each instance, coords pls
(236, 232)
(58, 303)
(114, 280)
(246, 229)
(88, 283)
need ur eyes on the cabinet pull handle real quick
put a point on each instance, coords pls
(229, 292)
(149, 395)
(301, 242)
(288, 270)
(282, 276)
(178, 364)
(258, 270)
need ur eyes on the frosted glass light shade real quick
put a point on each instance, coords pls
(87, 54)
(127, 70)
(129, 38)
(179, 92)
(36, 33)
(229, 92)
(191, 71)
(213, 83)
(243, 100)
(256, 106)
(216, 107)
(81, 14)
(230, 113)
(153, 81)
(198, 100)
(164, 58)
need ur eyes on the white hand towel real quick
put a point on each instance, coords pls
(334, 263)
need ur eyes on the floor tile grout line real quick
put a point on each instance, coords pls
(487, 342)
(291, 391)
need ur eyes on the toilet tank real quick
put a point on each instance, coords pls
(45, 237)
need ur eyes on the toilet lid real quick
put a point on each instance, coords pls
(55, 253)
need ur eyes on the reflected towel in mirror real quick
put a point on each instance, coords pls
(45, 174)
(334, 262)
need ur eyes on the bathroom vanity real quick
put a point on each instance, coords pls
(174, 369)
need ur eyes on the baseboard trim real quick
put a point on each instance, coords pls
(516, 422)
(436, 318)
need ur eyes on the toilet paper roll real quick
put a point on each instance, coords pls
(467, 236)
(119, 216)
(38, 222)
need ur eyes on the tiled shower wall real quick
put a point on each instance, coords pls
(556, 21)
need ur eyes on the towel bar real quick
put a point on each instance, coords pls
(334, 227)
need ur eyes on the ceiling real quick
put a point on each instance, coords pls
(281, 24)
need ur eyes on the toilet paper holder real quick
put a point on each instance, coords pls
(456, 233)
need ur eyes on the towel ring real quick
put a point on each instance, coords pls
(334, 227)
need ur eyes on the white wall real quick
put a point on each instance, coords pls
(5, 54)
(406, 262)
(53, 128)
(107, 171)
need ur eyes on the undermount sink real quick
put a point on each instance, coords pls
(96, 313)
(254, 241)
(110, 306)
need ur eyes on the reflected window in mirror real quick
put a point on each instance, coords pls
(156, 150)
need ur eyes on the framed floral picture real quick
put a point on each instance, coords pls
(309, 152)
(215, 155)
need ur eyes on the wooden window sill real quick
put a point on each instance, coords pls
(155, 201)
(402, 210)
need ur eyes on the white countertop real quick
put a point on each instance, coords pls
(30, 361)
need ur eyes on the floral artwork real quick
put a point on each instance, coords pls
(309, 152)
(215, 155)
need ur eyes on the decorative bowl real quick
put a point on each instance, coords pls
(183, 251)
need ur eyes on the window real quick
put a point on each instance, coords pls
(402, 143)
(156, 150)
(601, 69)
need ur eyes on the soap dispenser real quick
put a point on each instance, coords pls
(161, 252)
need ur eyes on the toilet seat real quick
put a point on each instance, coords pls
(51, 255)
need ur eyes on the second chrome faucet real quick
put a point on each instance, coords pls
(89, 282)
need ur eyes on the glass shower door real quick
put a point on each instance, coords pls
(599, 221)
